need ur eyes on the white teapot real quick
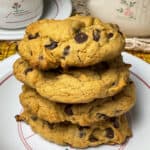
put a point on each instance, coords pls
(133, 16)
(19, 13)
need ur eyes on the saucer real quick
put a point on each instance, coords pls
(53, 9)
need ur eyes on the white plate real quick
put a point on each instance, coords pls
(18, 136)
(56, 9)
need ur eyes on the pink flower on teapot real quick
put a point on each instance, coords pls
(128, 12)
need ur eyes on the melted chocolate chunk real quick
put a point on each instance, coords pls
(92, 138)
(27, 71)
(81, 37)
(96, 35)
(51, 46)
(30, 37)
(66, 50)
(68, 110)
(34, 118)
(109, 133)
(110, 35)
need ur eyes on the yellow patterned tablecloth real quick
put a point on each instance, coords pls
(7, 48)
(142, 55)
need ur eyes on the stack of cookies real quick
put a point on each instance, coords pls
(76, 87)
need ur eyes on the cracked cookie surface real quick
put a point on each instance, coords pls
(82, 114)
(75, 85)
(79, 41)
(79, 137)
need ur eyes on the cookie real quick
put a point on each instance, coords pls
(79, 41)
(82, 114)
(75, 85)
(79, 137)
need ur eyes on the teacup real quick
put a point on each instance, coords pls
(19, 13)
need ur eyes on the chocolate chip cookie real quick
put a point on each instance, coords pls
(82, 114)
(77, 136)
(75, 85)
(76, 41)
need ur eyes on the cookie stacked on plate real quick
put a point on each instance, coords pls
(76, 87)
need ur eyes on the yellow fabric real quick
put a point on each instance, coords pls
(7, 48)
(142, 55)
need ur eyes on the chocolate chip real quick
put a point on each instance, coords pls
(66, 50)
(34, 118)
(52, 45)
(30, 37)
(110, 35)
(81, 37)
(27, 71)
(68, 110)
(92, 138)
(96, 35)
(101, 116)
(109, 133)
(115, 122)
